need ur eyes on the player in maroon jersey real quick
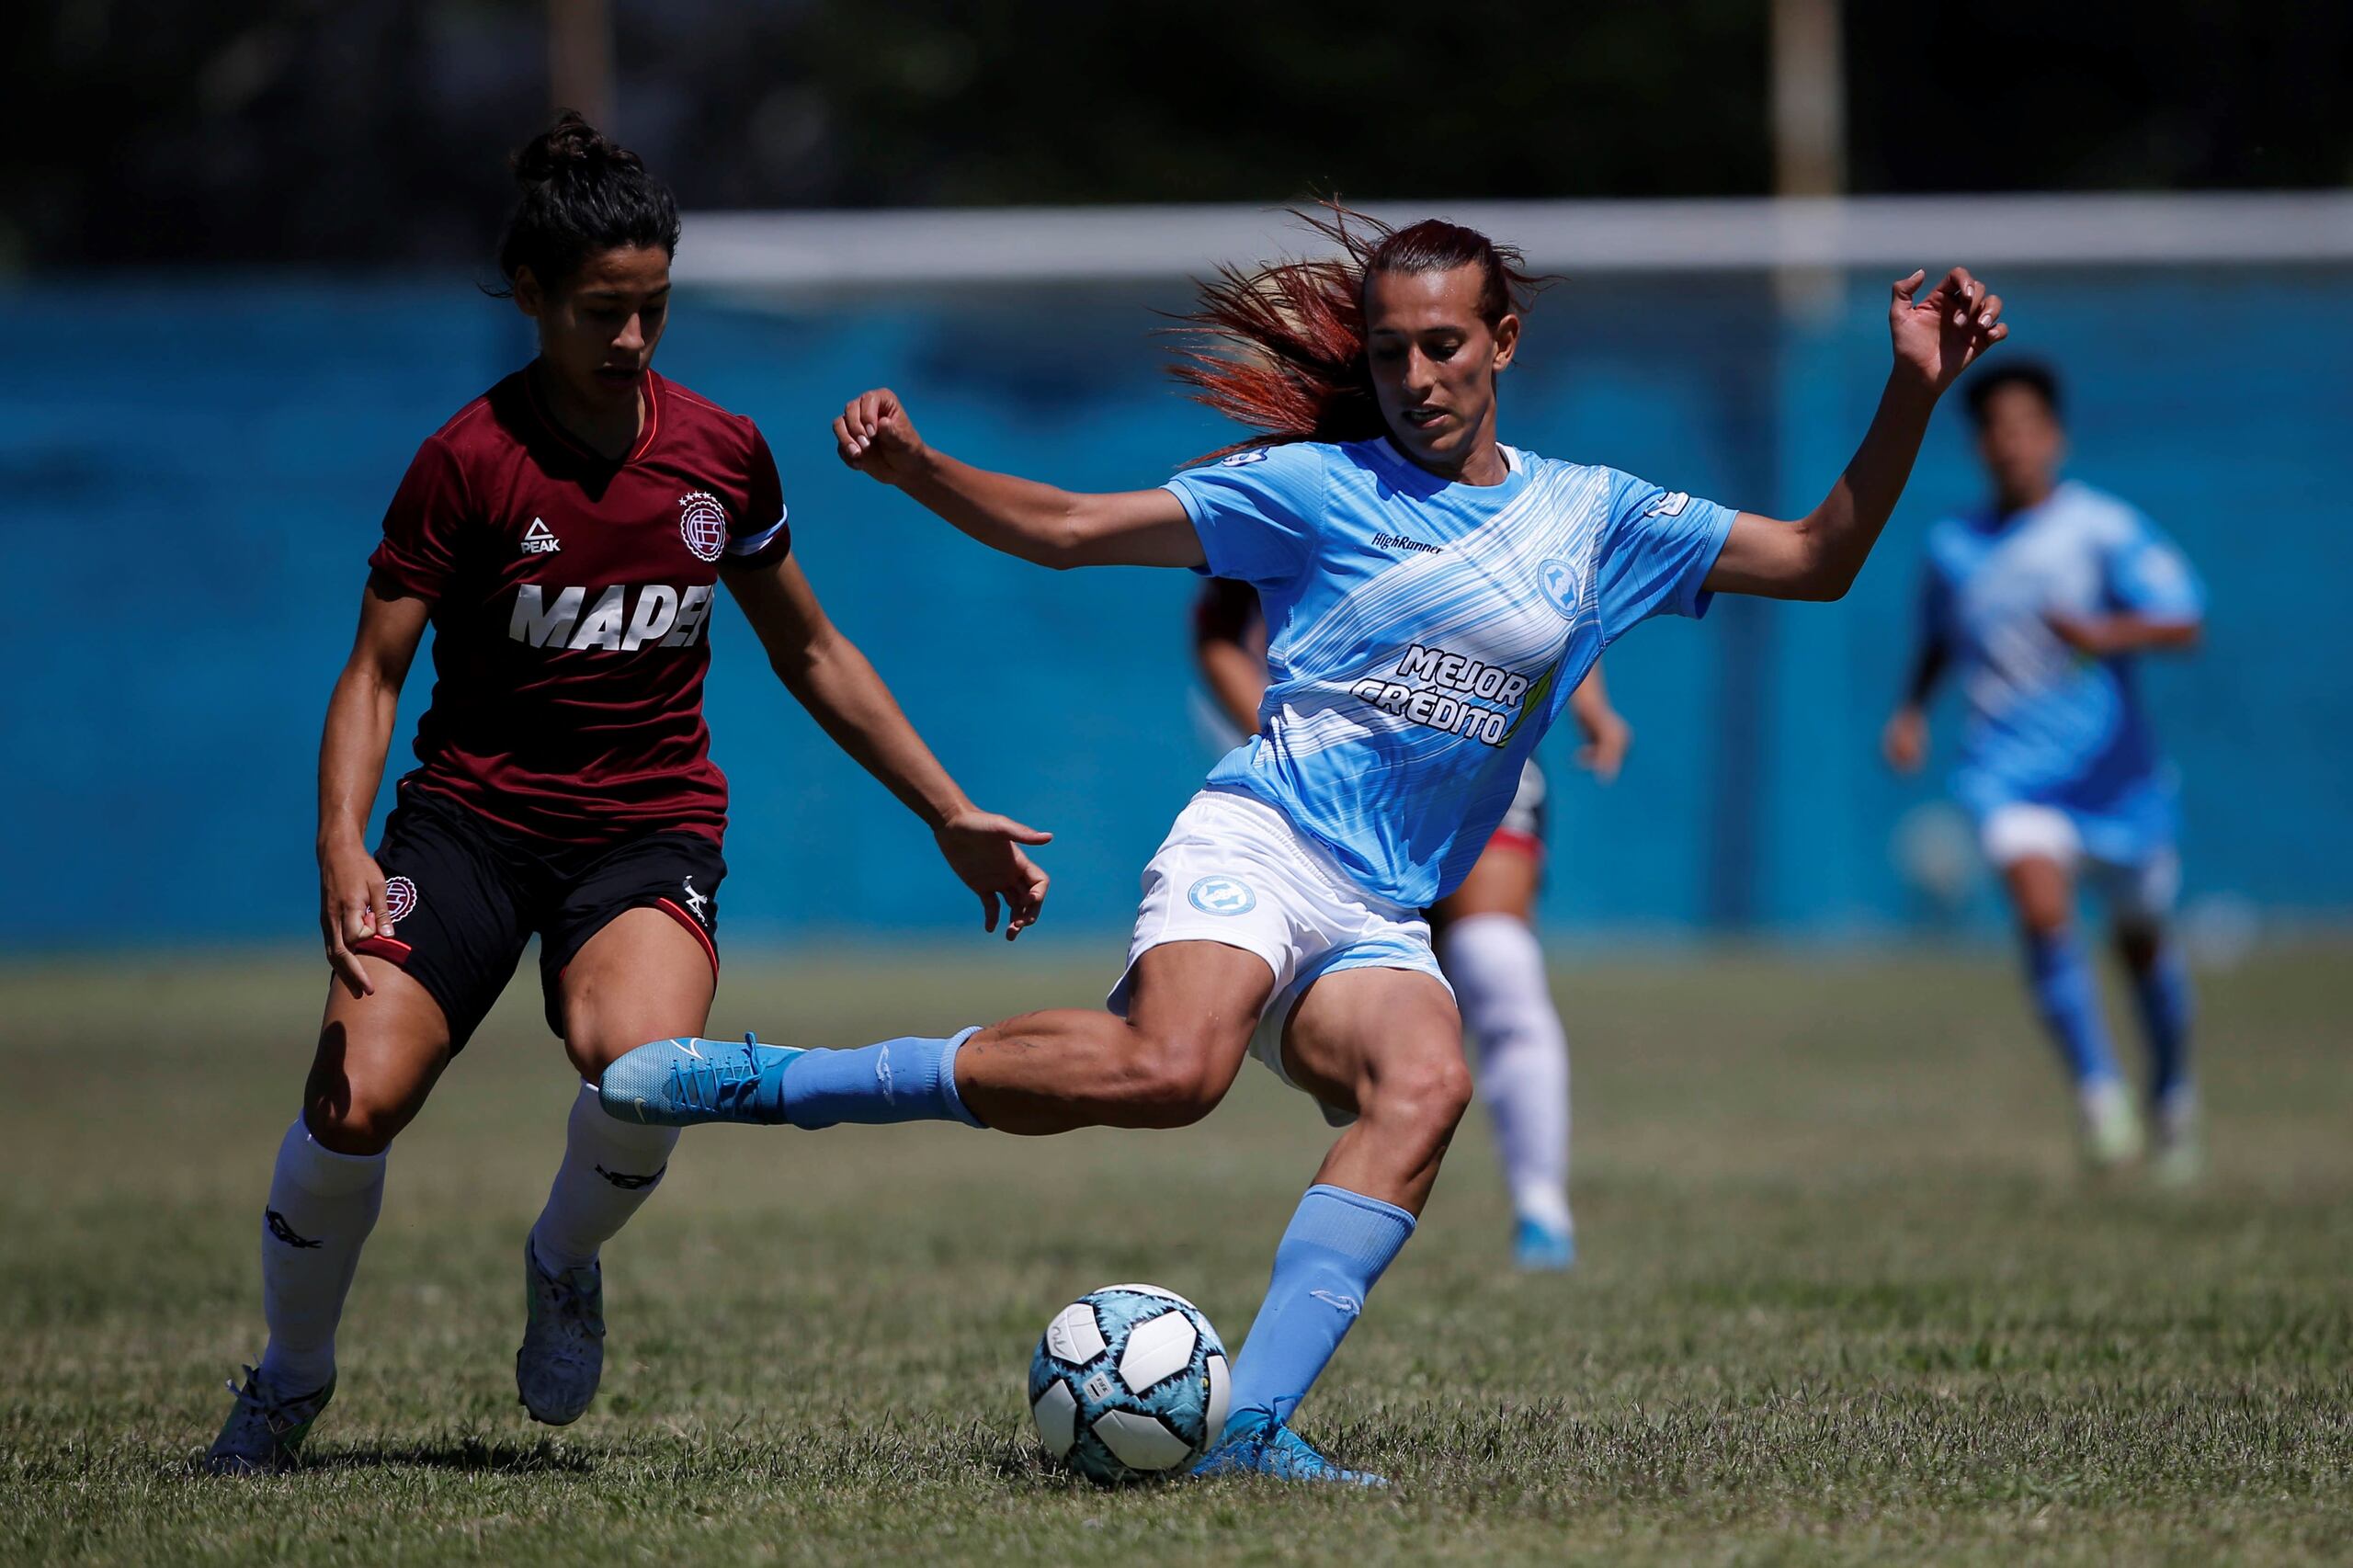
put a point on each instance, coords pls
(1484, 933)
(564, 535)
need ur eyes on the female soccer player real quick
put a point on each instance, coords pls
(563, 534)
(1483, 933)
(2040, 601)
(1433, 597)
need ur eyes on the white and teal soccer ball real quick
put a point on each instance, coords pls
(1130, 1382)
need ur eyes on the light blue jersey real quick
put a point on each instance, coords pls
(2046, 725)
(1422, 635)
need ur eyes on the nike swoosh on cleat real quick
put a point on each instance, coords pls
(688, 1050)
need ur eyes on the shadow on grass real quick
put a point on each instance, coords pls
(476, 1455)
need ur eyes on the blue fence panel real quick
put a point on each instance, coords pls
(194, 471)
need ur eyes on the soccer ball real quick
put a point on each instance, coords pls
(1130, 1382)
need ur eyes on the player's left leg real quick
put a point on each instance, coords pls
(1385, 1044)
(643, 973)
(1487, 944)
(2141, 900)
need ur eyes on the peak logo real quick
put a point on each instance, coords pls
(622, 617)
(539, 539)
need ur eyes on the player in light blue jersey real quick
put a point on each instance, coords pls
(1433, 597)
(2037, 604)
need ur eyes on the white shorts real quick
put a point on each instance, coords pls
(1235, 870)
(2142, 890)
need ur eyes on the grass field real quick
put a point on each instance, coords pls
(1841, 1298)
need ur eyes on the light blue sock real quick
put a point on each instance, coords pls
(1337, 1246)
(2069, 1001)
(2163, 996)
(909, 1079)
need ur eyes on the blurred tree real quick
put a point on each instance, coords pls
(367, 132)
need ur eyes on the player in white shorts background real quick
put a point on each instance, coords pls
(1484, 932)
(2037, 604)
(1433, 597)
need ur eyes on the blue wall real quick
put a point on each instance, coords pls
(193, 473)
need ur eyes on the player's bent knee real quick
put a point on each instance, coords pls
(344, 1126)
(1427, 1097)
(1175, 1080)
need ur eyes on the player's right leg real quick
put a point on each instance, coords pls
(1191, 1007)
(2036, 849)
(378, 1057)
(1227, 904)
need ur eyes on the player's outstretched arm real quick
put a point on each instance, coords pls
(828, 675)
(351, 765)
(2109, 636)
(1937, 336)
(1036, 522)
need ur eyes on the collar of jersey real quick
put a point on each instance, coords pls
(588, 454)
(1428, 483)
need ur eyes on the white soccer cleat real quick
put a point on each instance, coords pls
(2108, 1128)
(2178, 1161)
(562, 1356)
(266, 1427)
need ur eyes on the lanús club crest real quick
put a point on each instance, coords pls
(702, 523)
(400, 900)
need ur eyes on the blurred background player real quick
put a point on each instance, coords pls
(1484, 933)
(563, 534)
(2038, 602)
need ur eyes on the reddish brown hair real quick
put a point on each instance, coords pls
(1280, 350)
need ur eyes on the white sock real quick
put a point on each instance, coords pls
(1497, 970)
(321, 1206)
(610, 1167)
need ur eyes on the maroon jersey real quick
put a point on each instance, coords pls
(572, 600)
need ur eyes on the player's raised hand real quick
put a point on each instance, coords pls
(1940, 334)
(875, 437)
(1607, 738)
(985, 851)
(351, 900)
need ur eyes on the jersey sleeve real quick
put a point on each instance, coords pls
(2147, 575)
(419, 550)
(1659, 548)
(758, 533)
(1257, 512)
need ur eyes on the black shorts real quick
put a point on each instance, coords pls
(465, 897)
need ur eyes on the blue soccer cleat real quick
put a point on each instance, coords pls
(687, 1081)
(1267, 1447)
(1537, 1248)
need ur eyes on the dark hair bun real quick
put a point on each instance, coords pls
(571, 144)
(581, 193)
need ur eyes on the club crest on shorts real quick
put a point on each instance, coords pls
(702, 523)
(1222, 895)
(400, 900)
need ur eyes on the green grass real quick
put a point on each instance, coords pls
(1841, 1298)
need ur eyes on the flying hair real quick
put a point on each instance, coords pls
(581, 193)
(1279, 349)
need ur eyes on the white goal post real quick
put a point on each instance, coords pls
(911, 247)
